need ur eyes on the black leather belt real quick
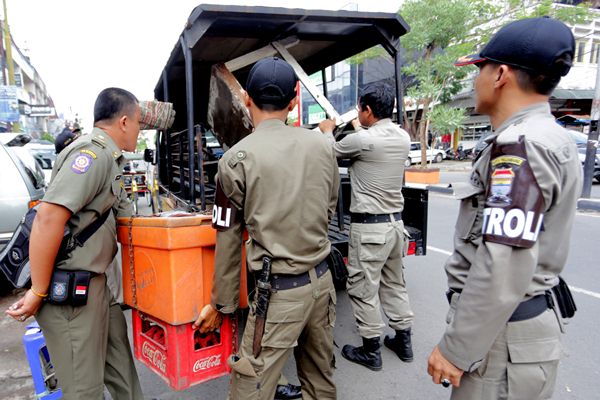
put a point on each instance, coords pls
(289, 281)
(530, 308)
(364, 218)
(525, 310)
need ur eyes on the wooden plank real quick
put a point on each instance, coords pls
(228, 116)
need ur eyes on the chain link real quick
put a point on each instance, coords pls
(131, 263)
(234, 334)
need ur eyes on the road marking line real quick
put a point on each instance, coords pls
(439, 250)
(587, 214)
(584, 291)
(573, 288)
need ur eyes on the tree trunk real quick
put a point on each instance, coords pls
(423, 133)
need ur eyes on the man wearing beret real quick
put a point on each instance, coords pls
(281, 184)
(511, 241)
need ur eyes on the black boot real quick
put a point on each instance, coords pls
(367, 355)
(289, 391)
(401, 345)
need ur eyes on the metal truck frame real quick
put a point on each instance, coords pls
(237, 37)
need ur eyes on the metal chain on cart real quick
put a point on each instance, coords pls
(131, 263)
(234, 328)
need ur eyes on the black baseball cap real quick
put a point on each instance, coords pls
(533, 44)
(66, 138)
(271, 81)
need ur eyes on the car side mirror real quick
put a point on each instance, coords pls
(150, 156)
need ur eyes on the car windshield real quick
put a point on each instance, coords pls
(27, 161)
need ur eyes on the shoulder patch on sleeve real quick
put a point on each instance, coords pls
(513, 212)
(82, 163)
(89, 152)
(224, 214)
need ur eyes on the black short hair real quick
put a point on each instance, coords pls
(538, 82)
(380, 97)
(114, 102)
(273, 105)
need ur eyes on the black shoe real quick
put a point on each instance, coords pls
(289, 391)
(368, 355)
(401, 345)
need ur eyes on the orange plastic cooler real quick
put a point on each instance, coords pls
(173, 266)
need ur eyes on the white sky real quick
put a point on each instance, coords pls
(80, 47)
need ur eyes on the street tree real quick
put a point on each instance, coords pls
(442, 31)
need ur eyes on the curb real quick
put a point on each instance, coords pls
(588, 205)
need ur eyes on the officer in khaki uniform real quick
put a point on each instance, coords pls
(281, 184)
(88, 344)
(377, 241)
(512, 235)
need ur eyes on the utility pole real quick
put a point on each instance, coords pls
(9, 59)
(592, 143)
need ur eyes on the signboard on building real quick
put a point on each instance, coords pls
(39, 111)
(316, 114)
(9, 104)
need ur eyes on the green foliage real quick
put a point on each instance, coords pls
(444, 119)
(142, 144)
(47, 136)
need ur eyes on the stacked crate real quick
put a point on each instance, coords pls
(168, 265)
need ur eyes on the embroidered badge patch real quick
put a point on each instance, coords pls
(502, 177)
(82, 163)
(59, 289)
(502, 180)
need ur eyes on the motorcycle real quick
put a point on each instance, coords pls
(458, 154)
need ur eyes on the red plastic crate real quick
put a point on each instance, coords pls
(179, 354)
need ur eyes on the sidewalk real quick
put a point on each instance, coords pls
(15, 376)
(448, 167)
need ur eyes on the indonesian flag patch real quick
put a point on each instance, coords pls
(80, 290)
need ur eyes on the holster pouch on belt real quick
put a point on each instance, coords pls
(69, 287)
(263, 288)
(564, 299)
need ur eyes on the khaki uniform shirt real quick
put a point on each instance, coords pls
(378, 155)
(495, 278)
(86, 179)
(285, 181)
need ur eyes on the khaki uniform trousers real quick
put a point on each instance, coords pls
(376, 277)
(89, 347)
(521, 365)
(300, 320)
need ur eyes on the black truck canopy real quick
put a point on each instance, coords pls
(217, 34)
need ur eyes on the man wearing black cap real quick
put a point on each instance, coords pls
(281, 184)
(65, 138)
(512, 234)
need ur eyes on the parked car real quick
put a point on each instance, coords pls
(22, 187)
(582, 152)
(414, 155)
(45, 154)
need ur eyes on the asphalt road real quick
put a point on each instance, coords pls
(578, 374)
(580, 369)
